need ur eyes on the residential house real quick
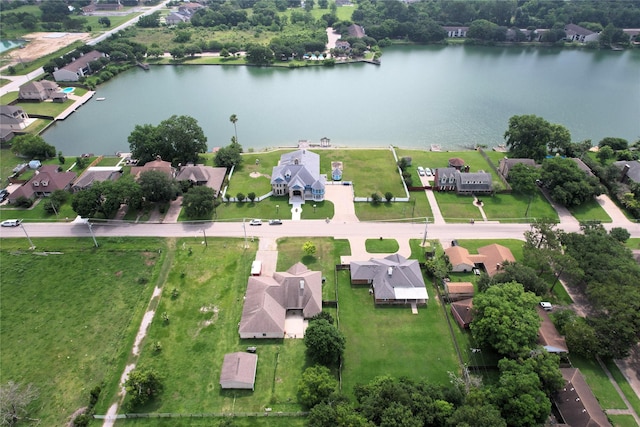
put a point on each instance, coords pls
(13, 118)
(239, 371)
(269, 301)
(156, 165)
(96, 174)
(392, 280)
(455, 291)
(45, 181)
(356, 30)
(451, 179)
(343, 46)
(298, 176)
(629, 170)
(202, 175)
(580, 34)
(490, 258)
(41, 91)
(175, 18)
(78, 68)
(463, 312)
(582, 166)
(456, 32)
(548, 335)
(506, 164)
(576, 403)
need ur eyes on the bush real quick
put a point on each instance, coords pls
(23, 202)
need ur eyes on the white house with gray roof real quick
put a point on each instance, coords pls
(298, 176)
(393, 279)
(451, 179)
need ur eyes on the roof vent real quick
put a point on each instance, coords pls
(301, 285)
(390, 271)
(36, 184)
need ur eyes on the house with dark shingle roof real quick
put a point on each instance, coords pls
(580, 34)
(298, 176)
(463, 312)
(269, 299)
(356, 30)
(576, 403)
(41, 91)
(451, 179)
(202, 175)
(239, 371)
(629, 170)
(95, 174)
(393, 279)
(13, 118)
(45, 181)
(78, 68)
(548, 335)
(506, 164)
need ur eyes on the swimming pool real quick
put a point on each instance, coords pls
(68, 90)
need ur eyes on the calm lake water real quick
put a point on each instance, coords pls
(455, 96)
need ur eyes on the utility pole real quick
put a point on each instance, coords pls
(95, 242)
(31, 245)
(424, 238)
(244, 228)
(205, 238)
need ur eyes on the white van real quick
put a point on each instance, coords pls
(11, 222)
(256, 268)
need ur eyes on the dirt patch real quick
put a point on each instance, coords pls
(42, 44)
(258, 175)
(119, 273)
(149, 258)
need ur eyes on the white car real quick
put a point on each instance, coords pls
(255, 222)
(420, 171)
(546, 306)
(11, 222)
(427, 171)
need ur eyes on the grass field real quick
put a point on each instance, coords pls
(590, 211)
(628, 392)
(622, 420)
(68, 317)
(418, 208)
(392, 341)
(384, 246)
(599, 383)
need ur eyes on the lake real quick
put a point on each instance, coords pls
(454, 96)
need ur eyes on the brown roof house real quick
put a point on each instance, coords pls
(45, 181)
(548, 335)
(96, 174)
(13, 119)
(78, 68)
(580, 34)
(202, 175)
(490, 257)
(156, 165)
(463, 312)
(456, 291)
(576, 403)
(505, 165)
(41, 91)
(393, 280)
(269, 301)
(239, 371)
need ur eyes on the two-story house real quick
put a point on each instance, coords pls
(298, 176)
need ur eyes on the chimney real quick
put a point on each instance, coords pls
(625, 170)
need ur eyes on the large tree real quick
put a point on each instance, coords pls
(567, 183)
(229, 156)
(178, 139)
(259, 55)
(315, 386)
(199, 202)
(530, 136)
(156, 186)
(15, 399)
(142, 385)
(32, 146)
(523, 179)
(519, 395)
(506, 319)
(325, 343)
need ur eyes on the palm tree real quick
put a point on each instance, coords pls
(233, 119)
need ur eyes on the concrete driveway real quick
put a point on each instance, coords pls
(342, 198)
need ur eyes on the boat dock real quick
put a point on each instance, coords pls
(78, 101)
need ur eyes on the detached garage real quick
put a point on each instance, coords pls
(239, 371)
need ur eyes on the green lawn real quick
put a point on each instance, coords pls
(622, 420)
(516, 208)
(514, 245)
(633, 243)
(392, 341)
(456, 208)
(69, 318)
(262, 421)
(271, 208)
(599, 383)
(631, 396)
(382, 246)
(590, 211)
(418, 207)
(50, 109)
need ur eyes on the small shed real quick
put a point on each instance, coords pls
(239, 371)
(456, 162)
